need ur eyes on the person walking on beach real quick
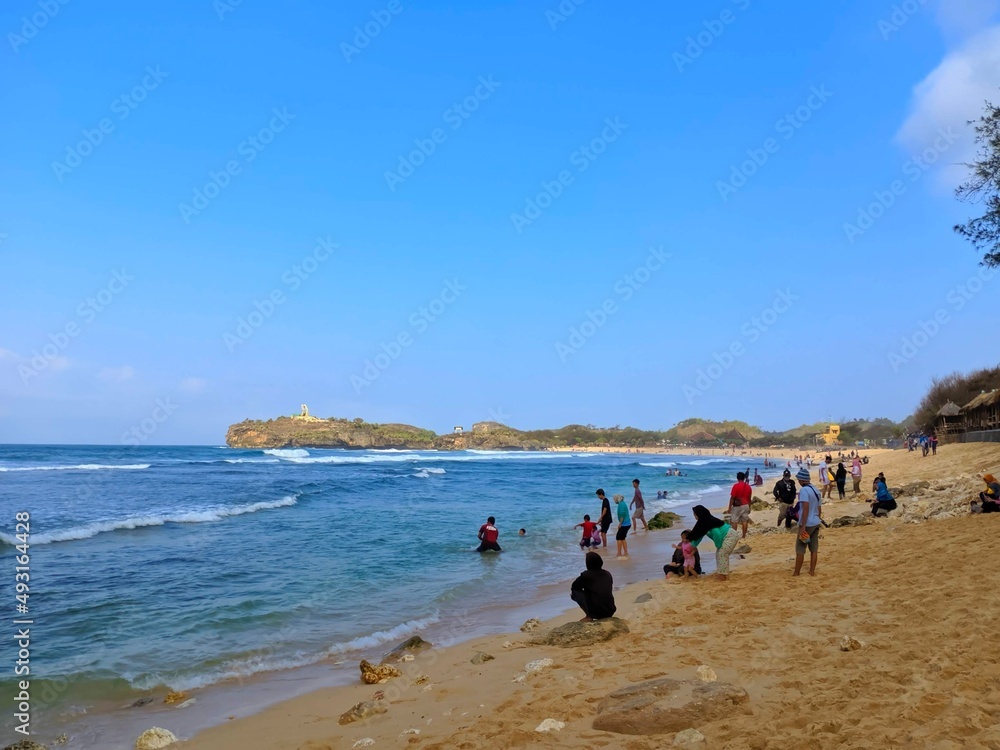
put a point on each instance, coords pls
(841, 479)
(934, 442)
(739, 503)
(784, 495)
(624, 524)
(605, 519)
(593, 590)
(824, 477)
(810, 518)
(856, 474)
(638, 506)
(488, 535)
(721, 533)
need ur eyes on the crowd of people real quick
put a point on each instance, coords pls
(800, 508)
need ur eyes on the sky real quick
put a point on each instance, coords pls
(438, 213)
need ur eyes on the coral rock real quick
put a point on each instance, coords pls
(365, 742)
(406, 649)
(376, 675)
(707, 674)
(154, 739)
(175, 698)
(550, 725)
(689, 738)
(363, 710)
(25, 745)
(481, 658)
(847, 643)
(532, 624)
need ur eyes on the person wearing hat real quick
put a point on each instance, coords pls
(784, 494)
(810, 518)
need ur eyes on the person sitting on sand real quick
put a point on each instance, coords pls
(676, 564)
(488, 534)
(593, 590)
(588, 527)
(884, 501)
(721, 533)
(688, 552)
(989, 501)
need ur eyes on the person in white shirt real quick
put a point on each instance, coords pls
(824, 477)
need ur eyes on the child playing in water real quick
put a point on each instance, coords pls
(588, 532)
(687, 549)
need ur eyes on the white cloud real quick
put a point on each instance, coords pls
(192, 385)
(954, 93)
(117, 374)
(961, 18)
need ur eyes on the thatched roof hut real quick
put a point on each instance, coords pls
(703, 438)
(983, 412)
(950, 422)
(735, 437)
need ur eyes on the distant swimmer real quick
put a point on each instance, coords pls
(522, 532)
(488, 535)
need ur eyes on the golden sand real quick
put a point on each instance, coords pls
(921, 596)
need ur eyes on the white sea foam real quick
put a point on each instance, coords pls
(707, 461)
(138, 522)
(78, 467)
(709, 490)
(401, 457)
(287, 452)
(660, 464)
(383, 636)
(251, 460)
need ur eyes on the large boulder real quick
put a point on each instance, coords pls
(372, 674)
(154, 739)
(574, 634)
(666, 705)
(663, 520)
(415, 644)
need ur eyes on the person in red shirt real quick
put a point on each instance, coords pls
(739, 503)
(488, 535)
(588, 527)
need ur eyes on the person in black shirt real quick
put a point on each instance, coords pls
(593, 590)
(605, 518)
(784, 493)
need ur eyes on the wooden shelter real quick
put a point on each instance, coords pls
(983, 412)
(735, 437)
(950, 422)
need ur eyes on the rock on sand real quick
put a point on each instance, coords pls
(666, 705)
(375, 675)
(363, 710)
(25, 745)
(154, 739)
(574, 634)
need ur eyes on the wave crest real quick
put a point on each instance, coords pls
(139, 522)
(287, 452)
(78, 467)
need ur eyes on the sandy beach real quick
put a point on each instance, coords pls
(924, 673)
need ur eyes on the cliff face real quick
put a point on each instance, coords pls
(296, 432)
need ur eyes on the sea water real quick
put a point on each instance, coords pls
(157, 568)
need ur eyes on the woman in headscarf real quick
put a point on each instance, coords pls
(721, 533)
(989, 500)
(841, 479)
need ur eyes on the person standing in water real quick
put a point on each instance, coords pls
(604, 520)
(488, 535)
(624, 524)
(638, 505)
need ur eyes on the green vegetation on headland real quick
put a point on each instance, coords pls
(312, 432)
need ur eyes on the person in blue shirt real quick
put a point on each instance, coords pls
(884, 501)
(810, 519)
(624, 524)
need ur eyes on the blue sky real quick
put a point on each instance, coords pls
(546, 214)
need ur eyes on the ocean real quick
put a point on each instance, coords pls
(180, 568)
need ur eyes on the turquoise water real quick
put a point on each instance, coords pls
(180, 568)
